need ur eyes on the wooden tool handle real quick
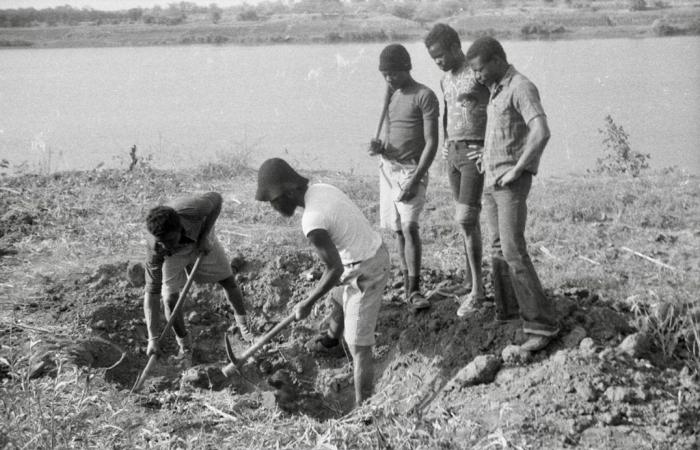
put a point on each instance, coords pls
(385, 109)
(231, 367)
(180, 301)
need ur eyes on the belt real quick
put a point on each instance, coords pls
(468, 143)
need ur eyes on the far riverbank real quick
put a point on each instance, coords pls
(508, 23)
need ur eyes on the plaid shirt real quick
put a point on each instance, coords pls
(514, 102)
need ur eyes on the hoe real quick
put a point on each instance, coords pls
(180, 301)
(232, 367)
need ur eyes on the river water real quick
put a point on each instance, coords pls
(318, 105)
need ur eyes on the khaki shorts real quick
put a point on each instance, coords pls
(214, 267)
(362, 286)
(393, 177)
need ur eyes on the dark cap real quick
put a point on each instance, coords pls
(275, 176)
(394, 58)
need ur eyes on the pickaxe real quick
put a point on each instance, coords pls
(180, 301)
(232, 367)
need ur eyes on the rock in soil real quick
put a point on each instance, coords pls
(482, 369)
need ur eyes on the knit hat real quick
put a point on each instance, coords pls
(275, 176)
(394, 58)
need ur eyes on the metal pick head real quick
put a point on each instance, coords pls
(229, 350)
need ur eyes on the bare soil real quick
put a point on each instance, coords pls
(587, 389)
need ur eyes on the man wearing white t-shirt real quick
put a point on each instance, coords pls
(353, 253)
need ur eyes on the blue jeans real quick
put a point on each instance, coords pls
(517, 287)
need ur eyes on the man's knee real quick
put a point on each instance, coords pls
(410, 229)
(466, 216)
(171, 299)
(228, 282)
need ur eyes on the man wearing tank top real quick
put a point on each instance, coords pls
(464, 126)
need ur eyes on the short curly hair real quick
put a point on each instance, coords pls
(486, 48)
(443, 34)
(162, 220)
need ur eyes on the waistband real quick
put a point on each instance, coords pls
(467, 143)
(354, 264)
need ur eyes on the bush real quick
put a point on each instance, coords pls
(248, 15)
(403, 10)
(661, 28)
(619, 157)
(541, 29)
(638, 5)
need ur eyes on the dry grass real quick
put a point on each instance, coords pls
(576, 230)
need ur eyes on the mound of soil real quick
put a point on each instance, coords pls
(586, 388)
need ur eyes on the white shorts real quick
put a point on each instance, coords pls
(393, 177)
(362, 288)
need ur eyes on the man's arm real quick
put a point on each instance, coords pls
(328, 253)
(151, 298)
(537, 138)
(210, 220)
(430, 132)
(444, 131)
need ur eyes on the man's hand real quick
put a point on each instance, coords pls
(302, 310)
(153, 347)
(376, 147)
(477, 157)
(445, 150)
(408, 192)
(510, 176)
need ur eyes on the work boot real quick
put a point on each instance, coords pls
(537, 342)
(244, 328)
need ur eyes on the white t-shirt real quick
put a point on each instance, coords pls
(328, 208)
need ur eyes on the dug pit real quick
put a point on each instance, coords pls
(418, 357)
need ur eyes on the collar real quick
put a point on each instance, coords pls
(504, 81)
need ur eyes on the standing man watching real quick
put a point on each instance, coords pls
(181, 230)
(516, 134)
(352, 252)
(464, 125)
(406, 155)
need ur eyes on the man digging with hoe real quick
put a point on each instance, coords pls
(353, 254)
(182, 230)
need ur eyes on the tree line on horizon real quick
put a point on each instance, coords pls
(180, 12)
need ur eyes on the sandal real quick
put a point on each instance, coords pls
(447, 289)
(417, 301)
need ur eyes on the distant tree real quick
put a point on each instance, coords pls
(248, 15)
(404, 10)
(318, 6)
(134, 14)
(273, 7)
(215, 13)
(637, 5)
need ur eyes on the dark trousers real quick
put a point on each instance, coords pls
(518, 288)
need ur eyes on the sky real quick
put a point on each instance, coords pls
(107, 5)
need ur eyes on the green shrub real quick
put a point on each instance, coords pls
(619, 157)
